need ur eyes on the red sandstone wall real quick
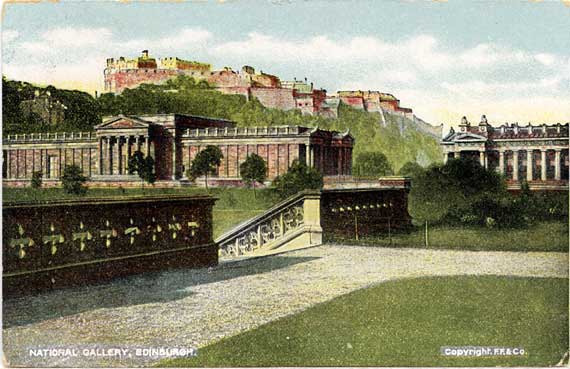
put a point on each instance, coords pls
(355, 102)
(276, 98)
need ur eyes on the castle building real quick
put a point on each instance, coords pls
(535, 154)
(373, 101)
(123, 73)
(173, 140)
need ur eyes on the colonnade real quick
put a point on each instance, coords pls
(115, 151)
(514, 152)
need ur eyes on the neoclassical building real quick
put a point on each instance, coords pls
(173, 140)
(535, 154)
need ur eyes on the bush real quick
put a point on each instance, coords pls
(299, 177)
(372, 164)
(410, 169)
(37, 179)
(73, 180)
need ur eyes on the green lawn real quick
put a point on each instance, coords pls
(404, 323)
(543, 236)
(234, 205)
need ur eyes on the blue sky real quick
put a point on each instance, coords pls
(509, 60)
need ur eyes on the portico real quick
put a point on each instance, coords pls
(535, 154)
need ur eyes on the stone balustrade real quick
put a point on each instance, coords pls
(49, 137)
(244, 131)
(292, 223)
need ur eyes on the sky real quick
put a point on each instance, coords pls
(509, 60)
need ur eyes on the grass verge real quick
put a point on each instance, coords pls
(404, 323)
(542, 236)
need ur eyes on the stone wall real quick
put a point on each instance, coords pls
(275, 98)
(66, 243)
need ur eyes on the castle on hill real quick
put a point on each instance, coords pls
(270, 90)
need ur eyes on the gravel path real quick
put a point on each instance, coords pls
(191, 308)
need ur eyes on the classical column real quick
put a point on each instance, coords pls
(129, 153)
(110, 154)
(482, 158)
(515, 165)
(101, 155)
(557, 164)
(117, 156)
(137, 143)
(308, 155)
(529, 165)
(445, 157)
(543, 164)
(501, 167)
(146, 145)
(457, 154)
(173, 156)
(340, 161)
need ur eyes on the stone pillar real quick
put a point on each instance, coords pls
(312, 156)
(146, 146)
(117, 155)
(501, 167)
(110, 154)
(312, 219)
(445, 157)
(308, 155)
(137, 143)
(340, 160)
(173, 156)
(101, 155)
(557, 164)
(515, 165)
(482, 158)
(456, 154)
(529, 165)
(543, 164)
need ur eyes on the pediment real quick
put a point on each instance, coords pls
(122, 122)
(469, 137)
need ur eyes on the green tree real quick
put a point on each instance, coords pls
(253, 169)
(430, 198)
(73, 180)
(299, 177)
(36, 179)
(205, 162)
(142, 166)
(410, 169)
(461, 189)
(372, 164)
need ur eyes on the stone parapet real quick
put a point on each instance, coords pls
(247, 131)
(50, 137)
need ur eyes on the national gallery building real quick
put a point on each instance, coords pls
(173, 140)
(535, 154)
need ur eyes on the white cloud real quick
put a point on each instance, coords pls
(9, 35)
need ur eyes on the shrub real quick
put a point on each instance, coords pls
(299, 177)
(37, 179)
(73, 180)
(372, 164)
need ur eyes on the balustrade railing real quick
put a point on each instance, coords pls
(242, 131)
(49, 136)
(267, 230)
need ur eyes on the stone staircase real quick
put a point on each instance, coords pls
(291, 224)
